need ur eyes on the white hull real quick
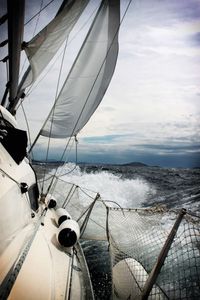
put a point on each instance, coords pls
(32, 263)
(46, 271)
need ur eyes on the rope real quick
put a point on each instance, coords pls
(86, 189)
(103, 201)
(86, 193)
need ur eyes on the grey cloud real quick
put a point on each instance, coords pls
(194, 39)
(166, 12)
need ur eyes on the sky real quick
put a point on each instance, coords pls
(150, 112)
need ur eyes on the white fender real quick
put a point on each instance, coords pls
(50, 201)
(129, 278)
(68, 233)
(62, 215)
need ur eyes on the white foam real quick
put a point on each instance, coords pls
(126, 192)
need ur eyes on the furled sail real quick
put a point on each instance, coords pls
(89, 76)
(42, 48)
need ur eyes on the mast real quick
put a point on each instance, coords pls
(15, 37)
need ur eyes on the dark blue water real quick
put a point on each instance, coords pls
(169, 186)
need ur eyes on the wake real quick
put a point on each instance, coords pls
(128, 193)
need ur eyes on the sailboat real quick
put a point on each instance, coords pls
(42, 218)
(34, 263)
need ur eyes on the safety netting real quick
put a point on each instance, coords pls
(155, 252)
(151, 258)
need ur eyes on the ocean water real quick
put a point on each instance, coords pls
(131, 187)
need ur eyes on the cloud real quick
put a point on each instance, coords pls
(195, 39)
(163, 155)
(153, 98)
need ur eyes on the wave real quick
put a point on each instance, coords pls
(128, 193)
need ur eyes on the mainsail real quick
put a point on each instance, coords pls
(89, 76)
(42, 48)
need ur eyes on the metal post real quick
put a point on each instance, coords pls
(69, 195)
(162, 256)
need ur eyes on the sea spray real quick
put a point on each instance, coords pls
(125, 192)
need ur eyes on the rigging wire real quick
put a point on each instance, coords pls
(38, 17)
(69, 195)
(76, 159)
(66, 173)
(82, 188)
(38, 12)
(56, 94)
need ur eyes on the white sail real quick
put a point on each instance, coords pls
(42, 48)
(89, 77)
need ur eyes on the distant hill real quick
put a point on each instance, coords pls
(82, 164)
(135, 164)
(49, 162)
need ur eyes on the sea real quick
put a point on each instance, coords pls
(135, 185)
(131, 186)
